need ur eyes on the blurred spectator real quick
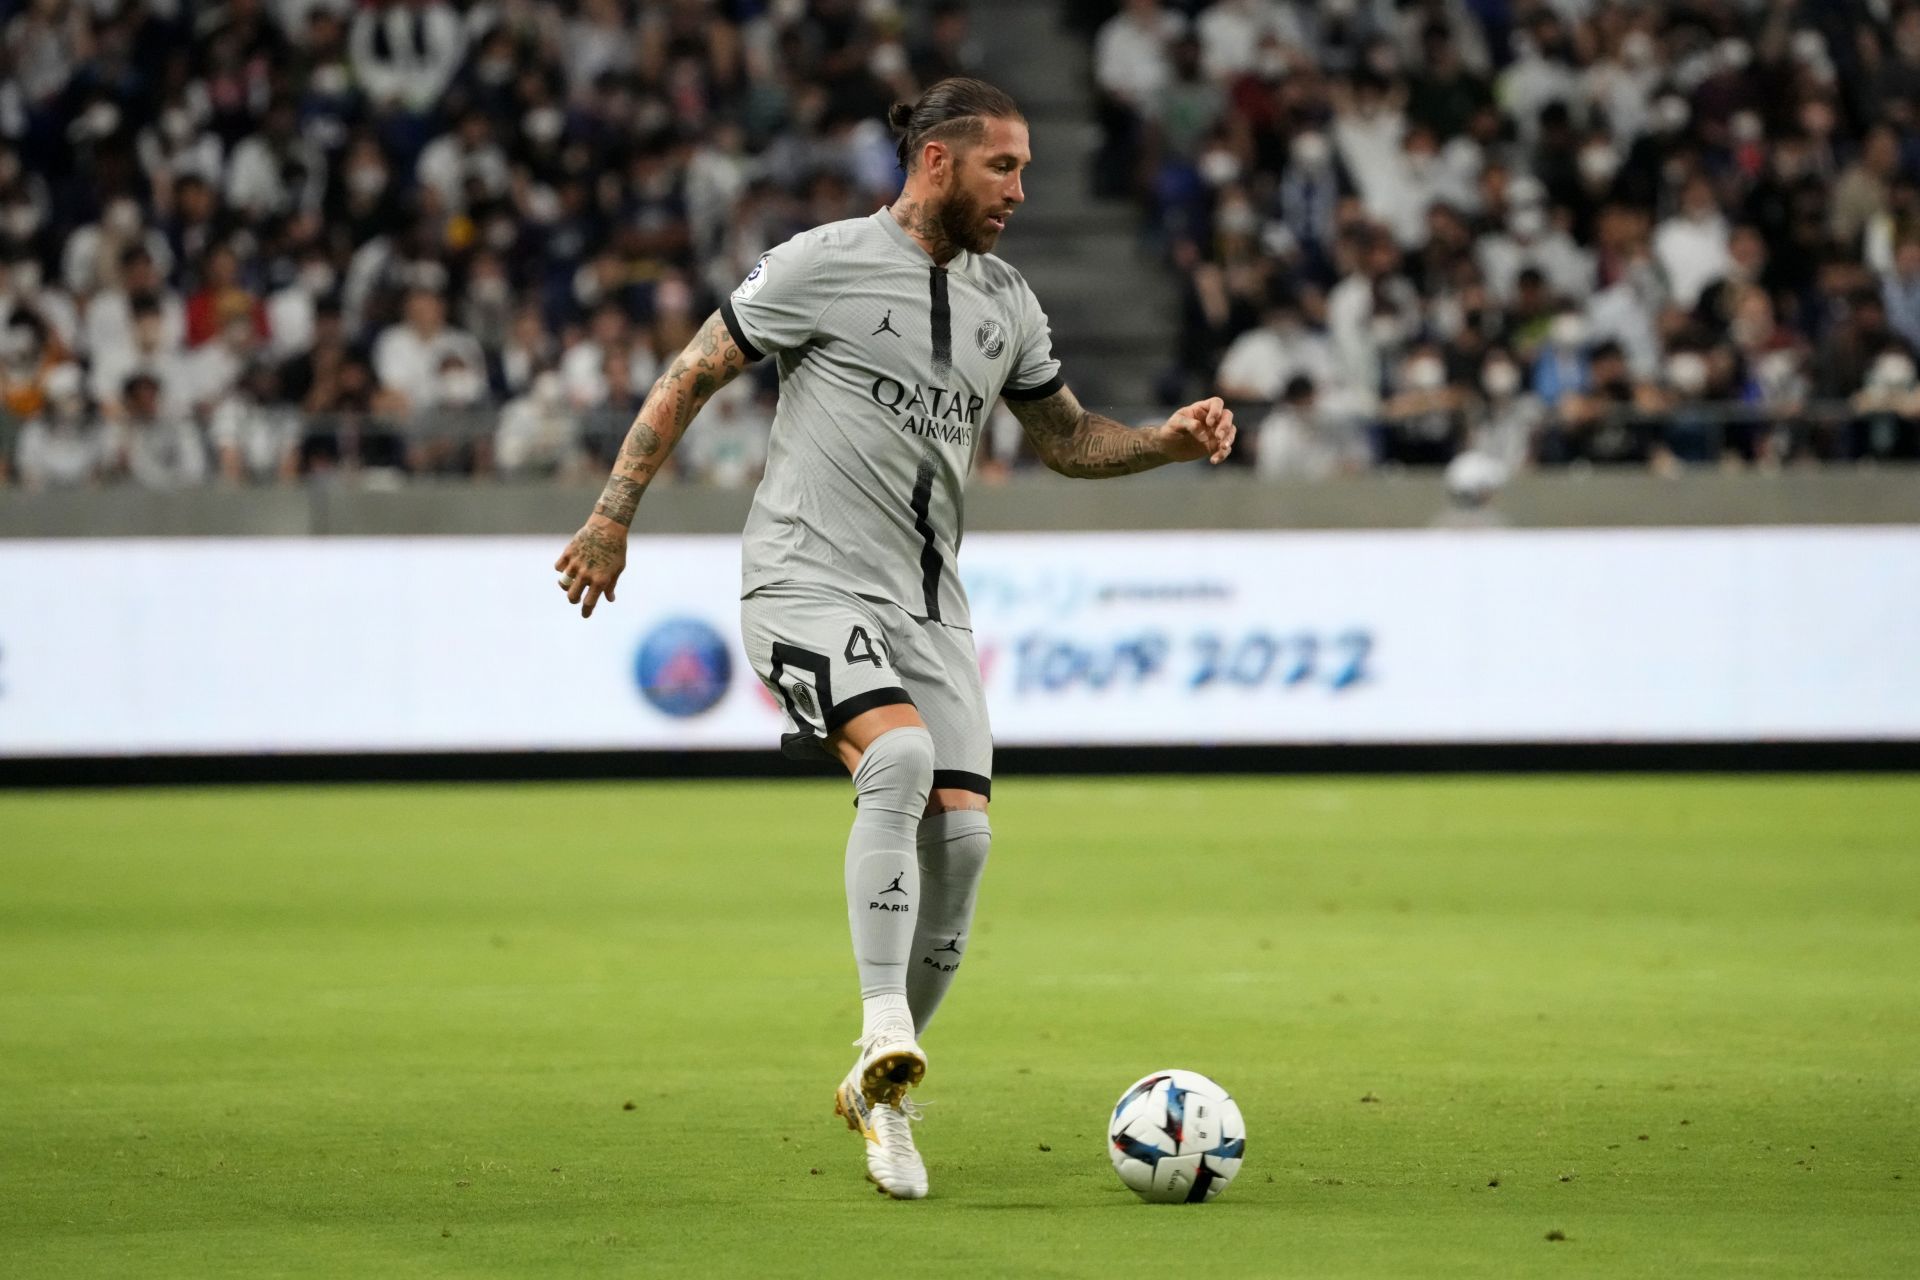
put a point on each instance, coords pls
(157, 449)
(1692, 246)
(1424, 422)
(539, 433)
(411, 358)
(109, 324)
(1900, 291)
(222, 298)
(1262, 361)
(62, 446)
(254, 436)
(730, 448)
(1131, 65)
(1302, 439)
(1511, 416)
(1865, 189)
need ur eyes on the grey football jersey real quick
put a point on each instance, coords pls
(889, 366)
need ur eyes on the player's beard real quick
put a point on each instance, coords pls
(963, 223)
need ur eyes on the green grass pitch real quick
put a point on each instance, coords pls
(594, 1029)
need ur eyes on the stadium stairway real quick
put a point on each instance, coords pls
(1113, 308)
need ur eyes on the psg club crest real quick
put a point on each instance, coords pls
(683, 667)
(992, 339)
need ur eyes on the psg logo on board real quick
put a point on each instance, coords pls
(991, 338)
(683, 667)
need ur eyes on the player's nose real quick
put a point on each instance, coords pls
(1016, 194)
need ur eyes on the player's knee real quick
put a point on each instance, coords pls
(896, 771)
(954, 846)
(955, 800)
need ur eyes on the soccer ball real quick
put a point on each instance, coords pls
(1176, 1137)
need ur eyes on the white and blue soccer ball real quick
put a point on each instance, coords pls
(1176, 1137)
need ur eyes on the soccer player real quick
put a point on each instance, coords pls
(893, 334)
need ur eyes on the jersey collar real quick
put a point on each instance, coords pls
(960, 264)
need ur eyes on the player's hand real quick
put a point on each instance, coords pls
(592, 563)
(1203, 429)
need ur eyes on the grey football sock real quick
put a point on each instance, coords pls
(953, 857)
(883, 874)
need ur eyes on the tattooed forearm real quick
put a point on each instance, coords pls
(1110, 448)
(1076, 442)
(710, 362)
(619, 500)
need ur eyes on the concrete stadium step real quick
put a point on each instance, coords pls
(1114, 310)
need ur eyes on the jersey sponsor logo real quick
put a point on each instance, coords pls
(683, 667)
(751, 285)
(991, 338)
(933, 413)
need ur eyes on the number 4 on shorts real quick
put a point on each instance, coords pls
(860, 648)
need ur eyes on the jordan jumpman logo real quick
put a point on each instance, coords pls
(886, 325)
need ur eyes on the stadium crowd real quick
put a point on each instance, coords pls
(260, 240)
(1538, 232)
(267, 239)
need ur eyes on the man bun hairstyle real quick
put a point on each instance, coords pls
(954, 109)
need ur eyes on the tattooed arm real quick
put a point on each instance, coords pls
(1077, 442)
(595, 558)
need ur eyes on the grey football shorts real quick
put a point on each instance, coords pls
(827, 655)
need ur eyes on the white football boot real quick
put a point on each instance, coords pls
(893, 1164)
(873, 1102)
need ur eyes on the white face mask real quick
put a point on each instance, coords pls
(461, 386)
(1311, 150)
(1527, 222)
(1568, 331)
(1687, 373)
(1500, 379)
(1426, 373)
(1891, 372)
(25, 277)
(1219, 167)
(1237, 219)
(122, 219)
(545, 124)
(1598, 164)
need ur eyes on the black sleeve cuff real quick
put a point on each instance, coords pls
(747, 349)
(1040, 392)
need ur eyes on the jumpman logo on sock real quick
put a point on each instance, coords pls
(953, 946)
(886, 325)
(894, 887)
